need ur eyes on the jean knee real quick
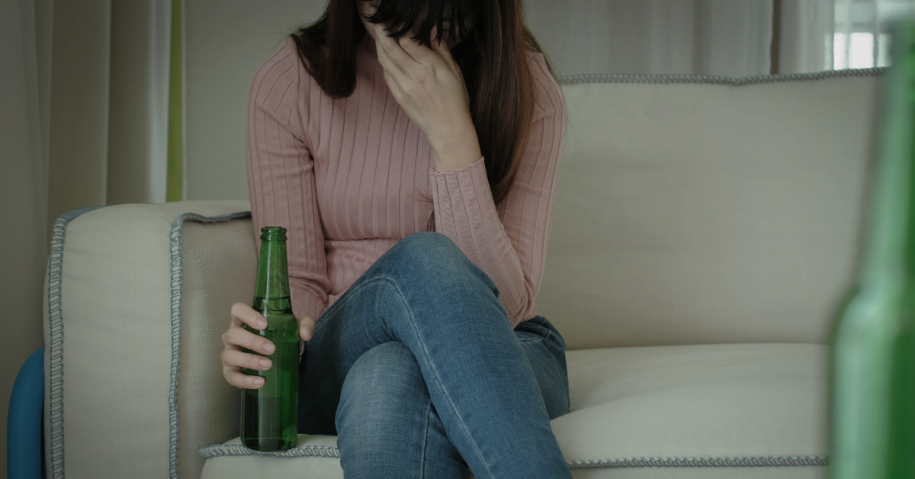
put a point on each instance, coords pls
(426, 245)
(385, 381)
(434, 257)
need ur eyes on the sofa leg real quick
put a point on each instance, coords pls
(24, 448)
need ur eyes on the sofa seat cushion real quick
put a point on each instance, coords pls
(726, 410)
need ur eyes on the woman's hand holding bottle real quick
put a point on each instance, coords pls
(237, 337)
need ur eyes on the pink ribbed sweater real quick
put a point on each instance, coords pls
(347, 178)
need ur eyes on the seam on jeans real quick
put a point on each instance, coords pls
(343, 298)
(422, 466)
(529, 341)
(426, 354)
(327, 312)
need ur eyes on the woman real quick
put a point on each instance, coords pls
(413, 160)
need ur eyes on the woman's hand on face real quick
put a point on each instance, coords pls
(428, 85)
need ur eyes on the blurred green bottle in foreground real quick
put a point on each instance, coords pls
(873, 347)
(269, 414)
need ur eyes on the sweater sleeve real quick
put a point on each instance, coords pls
(509, 242)
(281, 182)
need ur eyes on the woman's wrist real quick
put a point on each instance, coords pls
(456, 150)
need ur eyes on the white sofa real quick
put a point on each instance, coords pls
(703, 231)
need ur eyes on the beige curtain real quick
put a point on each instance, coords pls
(24, 164)
(109, 97)
(83, 116)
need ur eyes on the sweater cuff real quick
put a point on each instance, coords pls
(453, 191)
(479, 164)
(464, 209)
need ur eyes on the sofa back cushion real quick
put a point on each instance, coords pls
(707, 210)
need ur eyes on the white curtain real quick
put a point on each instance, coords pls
(805, 36)
(83, 119)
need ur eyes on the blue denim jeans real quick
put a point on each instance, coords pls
(419, 373)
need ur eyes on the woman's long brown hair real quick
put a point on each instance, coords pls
(492, 55)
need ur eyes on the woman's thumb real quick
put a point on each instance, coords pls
(306, 327)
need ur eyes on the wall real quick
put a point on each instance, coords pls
(225, 42)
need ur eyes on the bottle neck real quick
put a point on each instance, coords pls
(890, 244)
(272, 273)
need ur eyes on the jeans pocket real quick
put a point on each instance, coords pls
(532, 330)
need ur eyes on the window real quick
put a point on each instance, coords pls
(861, 39)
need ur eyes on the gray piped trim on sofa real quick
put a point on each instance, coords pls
(755, 461)
(218, 450)
(221, 450)
(56, 350)
(721, 80)
(177, 261)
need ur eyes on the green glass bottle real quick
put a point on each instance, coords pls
(873, 345)
(269, 414)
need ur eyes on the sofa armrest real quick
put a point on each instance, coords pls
(138, 297)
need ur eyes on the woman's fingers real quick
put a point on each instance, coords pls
(237, 336)
(417, 52)
(242, 380)
(244, 314)
(390, 53)
(442, 49)
(236, 358)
